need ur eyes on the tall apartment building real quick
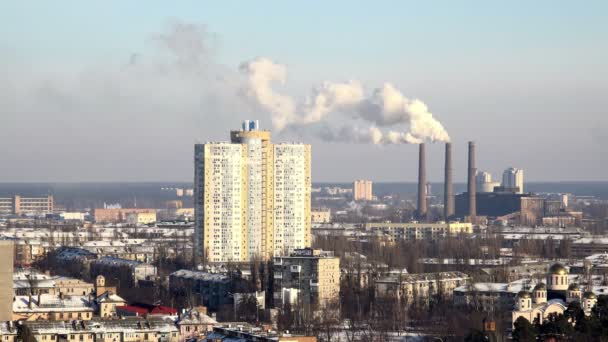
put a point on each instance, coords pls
(362, 190)
(6, 280)
(252, 197)
(26, 205)
(513, 178)
(308, 277)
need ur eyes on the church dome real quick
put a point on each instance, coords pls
(558, 269)
(589, 295)
(540, 286)
(574, 287)
(524, 294)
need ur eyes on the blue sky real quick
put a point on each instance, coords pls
(526, 79)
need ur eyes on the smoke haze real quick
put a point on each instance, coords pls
(383, 107)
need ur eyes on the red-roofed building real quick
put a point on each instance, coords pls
(141, 309)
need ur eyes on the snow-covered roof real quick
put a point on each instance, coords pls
(127, 325)
(51, 303)
(200, 275)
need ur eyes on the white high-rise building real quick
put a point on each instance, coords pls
(513, 178)
(252, 198)
(291, 197)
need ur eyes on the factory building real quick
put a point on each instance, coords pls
(513, 178)
(529, 209)
(484, 183)
(252, 197)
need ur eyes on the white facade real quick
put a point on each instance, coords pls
(141, 218)
(252, 198)
(223, 199)
(513, 178)
(291, 198)
(72, 216)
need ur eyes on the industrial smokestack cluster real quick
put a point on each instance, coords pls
(471, 183)
(448, 187)
(448, 184)
(422, 182)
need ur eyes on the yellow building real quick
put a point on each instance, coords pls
(362, 190)
(52, 307)
(419, 231)
(321, 215)
(252, 197)
(107, 303)
(420, 286)
(6, 279)
(8, 331)
(124, 330)
(141, 218)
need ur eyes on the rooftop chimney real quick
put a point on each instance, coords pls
(448, 186)
(422, 182)
(471, 183)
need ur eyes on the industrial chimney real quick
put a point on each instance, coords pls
(422, 182)
(471, 183)
(448, 186)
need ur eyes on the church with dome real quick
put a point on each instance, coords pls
(552, 297)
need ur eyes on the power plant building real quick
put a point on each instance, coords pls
(528, 209)
(484, 183)
(513, 178)
(252, 197)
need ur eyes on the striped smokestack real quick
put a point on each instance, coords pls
(448, 187)
(422, 181)
(471, 183)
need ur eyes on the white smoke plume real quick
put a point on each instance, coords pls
(384, 107)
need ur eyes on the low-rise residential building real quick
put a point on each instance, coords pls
(8, 331)
(320, 215)
(128, 272)
(141, 218)
(310, 275)
(586, 246)
(211, 289)
(418, 231)
(490, 296)
(134, 329)
(117, 215)
(249, 334)
(53, 307)
(194, 324)
(107, 304)
(420, 286)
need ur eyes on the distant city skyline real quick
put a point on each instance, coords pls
(93, 92)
